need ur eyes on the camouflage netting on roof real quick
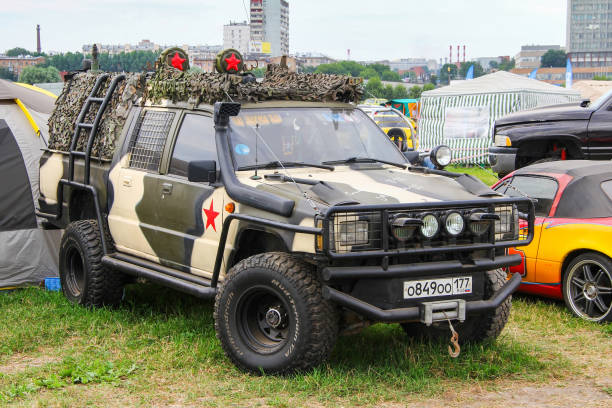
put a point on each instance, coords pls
(278, 84)
(193, 87)
(68, 106)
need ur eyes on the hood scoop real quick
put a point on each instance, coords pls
(331, 195)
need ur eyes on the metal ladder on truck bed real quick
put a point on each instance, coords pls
(73, 153)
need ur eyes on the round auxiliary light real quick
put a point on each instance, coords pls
(430, 226)
(454, 223)
(441, 156)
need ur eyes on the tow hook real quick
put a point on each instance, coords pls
(454, 341)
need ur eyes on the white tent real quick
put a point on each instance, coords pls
(462, 114)
(27, 253)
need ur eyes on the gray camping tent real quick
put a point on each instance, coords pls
(28, 254)
(462, 114)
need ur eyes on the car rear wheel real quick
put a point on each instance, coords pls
(84, 279)
(587, 287)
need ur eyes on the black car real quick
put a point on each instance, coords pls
(569, 131)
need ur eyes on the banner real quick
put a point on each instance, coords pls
(470, 73)
(569, 76)
(533, 74)
(468, 122)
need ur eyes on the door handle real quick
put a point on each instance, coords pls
(127, 181)
(166, 188)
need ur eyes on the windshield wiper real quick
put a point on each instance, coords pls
(275, 164)
(365, 160)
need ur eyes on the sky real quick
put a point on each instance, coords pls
(372, 30)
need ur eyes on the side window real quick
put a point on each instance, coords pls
(606, 186)
(149, 138)
(195, 141)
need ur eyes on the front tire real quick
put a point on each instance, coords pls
(85, 281)
(475, 328)
(270, 315)
(587, 287)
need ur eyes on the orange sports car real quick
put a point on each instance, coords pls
(570, 255)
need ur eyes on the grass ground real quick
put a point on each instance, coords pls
(159, 349)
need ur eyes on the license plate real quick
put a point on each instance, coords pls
(438, 287)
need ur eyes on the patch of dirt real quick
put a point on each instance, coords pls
(21, 362)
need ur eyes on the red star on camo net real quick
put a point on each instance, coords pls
(177, 61)
(232, 62)
(211, 214)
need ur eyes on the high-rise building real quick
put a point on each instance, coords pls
(236, 36)
(589, 32)
(270, 23)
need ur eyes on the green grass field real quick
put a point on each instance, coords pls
(159, 348)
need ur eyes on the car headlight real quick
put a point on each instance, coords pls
(441, 156)
(501, 140)
(454, 223)
(430, 226)
(352, 233)
(403, 226)
(506, 227)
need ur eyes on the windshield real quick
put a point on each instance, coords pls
(308, 135)
(389, 119)
(601, 100)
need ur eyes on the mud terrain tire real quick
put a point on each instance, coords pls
(476, 328)
(270, 315)
(85, 281)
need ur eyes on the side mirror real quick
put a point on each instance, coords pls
(202, 171)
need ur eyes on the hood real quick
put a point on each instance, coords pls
(568, 111)
(365, 185)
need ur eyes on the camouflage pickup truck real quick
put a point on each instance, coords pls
(300, 218)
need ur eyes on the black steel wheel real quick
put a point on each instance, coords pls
(271, 317)
(265, 319)
(84, 279)
(587, 287)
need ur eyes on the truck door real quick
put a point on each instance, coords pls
(190, 213)
(134, 212)
(600, 133)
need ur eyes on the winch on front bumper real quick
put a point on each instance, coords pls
(430, 243)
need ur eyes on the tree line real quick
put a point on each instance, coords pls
(48, 71)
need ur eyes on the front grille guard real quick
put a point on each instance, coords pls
(382, 211)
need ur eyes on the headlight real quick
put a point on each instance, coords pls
(506, 228)
(441, 156)
(454, 223)
(430, 226)
(352, 233)
(403, 226)
(501, 140)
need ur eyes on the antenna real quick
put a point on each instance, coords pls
(255, 176)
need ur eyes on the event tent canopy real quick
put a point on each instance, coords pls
(28, 254)
(462, 114)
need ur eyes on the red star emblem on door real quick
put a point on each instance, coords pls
(232, 62)
(177, 61)
(211, 214)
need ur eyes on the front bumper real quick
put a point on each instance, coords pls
(502, 159)
(416, 313)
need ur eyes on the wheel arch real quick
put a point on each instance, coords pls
(252, 240)
(544, 143)
(80, 205)
(573, 255)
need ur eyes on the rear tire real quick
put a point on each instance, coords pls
(85, 281)
(270, 315)
(475, 328)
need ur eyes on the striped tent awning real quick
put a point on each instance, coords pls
(497, 94)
